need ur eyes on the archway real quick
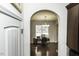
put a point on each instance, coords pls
(44, 23)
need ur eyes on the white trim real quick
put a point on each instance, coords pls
(9, 13)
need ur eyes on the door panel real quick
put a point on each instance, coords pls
(12, 40)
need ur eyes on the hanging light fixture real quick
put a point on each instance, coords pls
(45, 17)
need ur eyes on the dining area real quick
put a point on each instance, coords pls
(43, 47)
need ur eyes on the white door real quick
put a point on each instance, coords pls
(10, 34)
(12, 40)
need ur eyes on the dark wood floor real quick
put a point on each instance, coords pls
(51, 48)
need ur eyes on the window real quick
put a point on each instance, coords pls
(42, 29)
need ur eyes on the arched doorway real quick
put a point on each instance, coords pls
(44, 33)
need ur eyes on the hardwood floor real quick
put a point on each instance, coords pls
(51, 49)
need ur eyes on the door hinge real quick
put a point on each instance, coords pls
(22, 31)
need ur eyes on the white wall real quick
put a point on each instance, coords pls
(60, 9)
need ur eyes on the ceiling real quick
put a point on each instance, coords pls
(44, 15)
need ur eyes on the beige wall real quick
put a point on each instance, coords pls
(53, 29)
